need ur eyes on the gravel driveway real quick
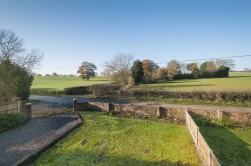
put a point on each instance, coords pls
(23, 140)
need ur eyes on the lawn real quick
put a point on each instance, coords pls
(237, 81)
(231, 146)
(59, 83)
(106, 140)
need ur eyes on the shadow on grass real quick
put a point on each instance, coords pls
(174, 86)
(98, 158)
(238, 76)
(227, 146)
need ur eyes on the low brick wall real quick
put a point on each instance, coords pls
(162, 111)
(244, 117)
(152, 111)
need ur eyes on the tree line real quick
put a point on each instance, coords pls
(126, 71)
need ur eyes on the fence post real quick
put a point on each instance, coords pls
(74, 103)
(28, 111)
(209, 157)
(18, 104)
(197, 141)
(219, 114)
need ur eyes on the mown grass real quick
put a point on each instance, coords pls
(231, 146)
(237, 82)
(59, 83)
(106, 140)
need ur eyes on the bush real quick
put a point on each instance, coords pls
(47, 92)
(198, 96)
(104, 89)
(10, 120)
(78, 90)
(183, 76)
(15, 79)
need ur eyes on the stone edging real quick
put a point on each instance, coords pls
(58, 134)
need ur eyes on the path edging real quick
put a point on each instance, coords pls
(34, 155)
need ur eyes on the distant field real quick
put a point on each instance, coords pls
(238, 81)
(59, 83)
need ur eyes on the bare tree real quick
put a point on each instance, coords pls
(225, 62)
(12, 48)
(118, 68)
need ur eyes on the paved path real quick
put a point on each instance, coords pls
(68, 100)
(30, 137)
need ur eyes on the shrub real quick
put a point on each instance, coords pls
(10, 120)
(104, 89)
(15, 79)
(47, 92)
(77, 90)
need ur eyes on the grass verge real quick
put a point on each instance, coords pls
(230, 141)
(106, 140)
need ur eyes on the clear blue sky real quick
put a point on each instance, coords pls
(71, 31)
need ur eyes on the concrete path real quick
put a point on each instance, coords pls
(22, 142)
(68, 100)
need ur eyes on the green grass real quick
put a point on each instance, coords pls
(106, 140)
(10, 120)
(237, 81)
(59, 83)
(231, 146)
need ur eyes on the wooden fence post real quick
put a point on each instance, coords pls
(219, 114)
(28, 111)
(209, 157)
(197, 140)
(19, 102)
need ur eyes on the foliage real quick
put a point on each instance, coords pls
(193, 67)
(10, 120)
(208, 66)
(104, 88)
(149, 67)
(119, 68)
(107, 140)
(162, 73)
(137, 71)
(15, 79)
(173, 68)
(47, 92)
(87, 70)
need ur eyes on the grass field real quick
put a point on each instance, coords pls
(231, 146)
(238, 81)
(106, 140)
(59, 83)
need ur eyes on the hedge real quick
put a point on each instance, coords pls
(202, 96)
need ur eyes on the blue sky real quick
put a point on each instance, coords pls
(69, 32)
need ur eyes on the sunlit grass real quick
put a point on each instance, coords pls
(59, 83)
(106, 140)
